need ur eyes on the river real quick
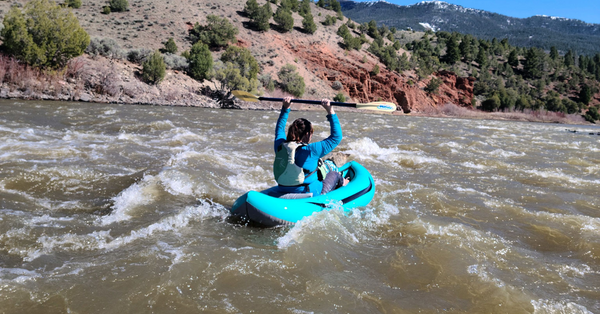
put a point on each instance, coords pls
(108, 208)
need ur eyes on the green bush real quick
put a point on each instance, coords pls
(244, 60)
(170, 46)
(153, 69)
(75, 4)
(433, 85)
(175, 62)
(308, 24)
(375, 70)
(284, 19)
(339, 97)
(106, 10)
(44, 35)
(290, 81)
(229, 77)
(200, 62)
(329, 20)
(218, 32)
(118, 5)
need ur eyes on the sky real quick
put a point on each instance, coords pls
(585, 10)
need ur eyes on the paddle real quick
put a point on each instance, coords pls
(376, 106)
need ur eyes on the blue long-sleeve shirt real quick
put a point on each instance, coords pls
(307, 157)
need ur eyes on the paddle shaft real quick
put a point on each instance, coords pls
(310, 102)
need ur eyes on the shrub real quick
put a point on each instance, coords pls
(244, 60)
(284, 19)
(45, 35)
(308, 24)
(106, 10)
(267, 82)
(118, 5)
(329, 20)
(337, 85)
(200, 61)
(175, 62)
(375, 70)
(262, 17)
(106, 47)
(153, 69)
(170, 46)
(290, 81)
(138, 55)
(433, 85)
(75, 4)
(228, 77)
(339, 97)
(218, 32)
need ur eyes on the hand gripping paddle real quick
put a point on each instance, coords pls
(375, 106)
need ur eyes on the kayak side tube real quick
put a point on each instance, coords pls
(270, 211)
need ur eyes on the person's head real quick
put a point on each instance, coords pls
(301, 130)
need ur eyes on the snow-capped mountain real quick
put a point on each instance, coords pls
(540, 31)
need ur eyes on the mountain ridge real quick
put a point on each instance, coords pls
(535, 31)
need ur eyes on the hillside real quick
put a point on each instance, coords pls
(536, 31)
(389, 67)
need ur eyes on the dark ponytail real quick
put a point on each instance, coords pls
(298, 129)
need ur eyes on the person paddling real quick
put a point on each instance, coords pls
(297, 160)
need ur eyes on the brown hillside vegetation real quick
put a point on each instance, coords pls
(326, 67)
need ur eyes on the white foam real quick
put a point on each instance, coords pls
(141, 193)
(102, 240)
(367, 149)
(551, 307)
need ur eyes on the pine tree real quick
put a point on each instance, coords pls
(153, 69)
(532, 65)
(482, 58)
(466, 49)
(452, 50)
(263, 16)
(284, 19)
(553, 53)
(200, 62)
(569, 58)
(251, 8)
(170, 46)
(308, 24)
(513, 58)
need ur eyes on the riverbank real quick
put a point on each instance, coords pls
(103, 80)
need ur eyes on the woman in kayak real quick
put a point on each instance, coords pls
(296, 159)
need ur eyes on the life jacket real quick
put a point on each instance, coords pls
(286, 172)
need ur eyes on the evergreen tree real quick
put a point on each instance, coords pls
(118, 5)
(466, 49)
(200, 62)
(44, 35)
(153, 69)
(263, 16)
(284, 19)
(75, 4)
(482, 58)
(452, 50)
(569, 58)
(343, 31)
(585, 95)
(218, 32)
(251, 8)
(533, 63)
(170, 46)
(553, 53)
(308, 24)
(304, 7)
(513, 58)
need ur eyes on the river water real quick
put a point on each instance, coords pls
(123, 209)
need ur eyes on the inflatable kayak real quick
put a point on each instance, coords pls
(268, 211)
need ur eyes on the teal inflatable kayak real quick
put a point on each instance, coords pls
(268, 211)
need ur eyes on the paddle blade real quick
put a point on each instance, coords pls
(378, 106)
(245, 96)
